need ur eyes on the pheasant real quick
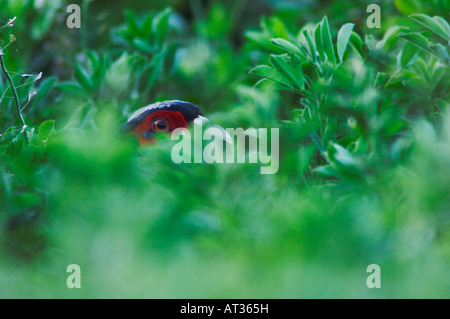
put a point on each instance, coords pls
(161, 117)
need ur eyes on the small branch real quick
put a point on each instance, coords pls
(10, 23)
(4, 93)
(30, 97)
(13, 89)
(38, 77)
(22, 75)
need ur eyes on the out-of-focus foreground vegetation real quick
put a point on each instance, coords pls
(364, 150)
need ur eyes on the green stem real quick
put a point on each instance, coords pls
(13, 89)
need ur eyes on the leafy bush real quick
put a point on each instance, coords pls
(364, 125)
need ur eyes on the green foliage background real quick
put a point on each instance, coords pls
(364, 150)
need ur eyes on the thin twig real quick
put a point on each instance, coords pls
(13, 89)
(10, 23)
(30, 97)
(38, 77)
(25, 75)
(4, 93)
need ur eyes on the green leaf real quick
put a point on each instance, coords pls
(44, 20)
(356, 43)
(45, 129)
(44, 89)
(69, 88)
(318, 142)
(390, 38)
(118, 75)
(318, 41)
(441, 104)
(326, 171)
(160, 25)
(327, 41)
(422, 43)
(311, 45)
(100, 69)
(409, 6)
(142, 45)
(298, 72)
(331, 130)
(132, 23)
(441, 52)
(268, 72)
(260, 39)
(289, 47)
(277, 28)
(343, 38)
(146, 27)
(341, 155)
(439, 74)
(443, 23)
(439, 27)
(93, 58)
(83, 78)
(169, 60)
(408, 53)
(283, 66)
(418, 40)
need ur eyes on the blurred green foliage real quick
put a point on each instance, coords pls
(364, 150)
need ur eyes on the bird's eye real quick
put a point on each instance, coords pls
(160, 125)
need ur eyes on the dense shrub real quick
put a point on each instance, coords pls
(364, 150)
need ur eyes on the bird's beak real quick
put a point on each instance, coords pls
(200, 120)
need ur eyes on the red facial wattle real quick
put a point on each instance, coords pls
(170, 120)
(160, 117)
